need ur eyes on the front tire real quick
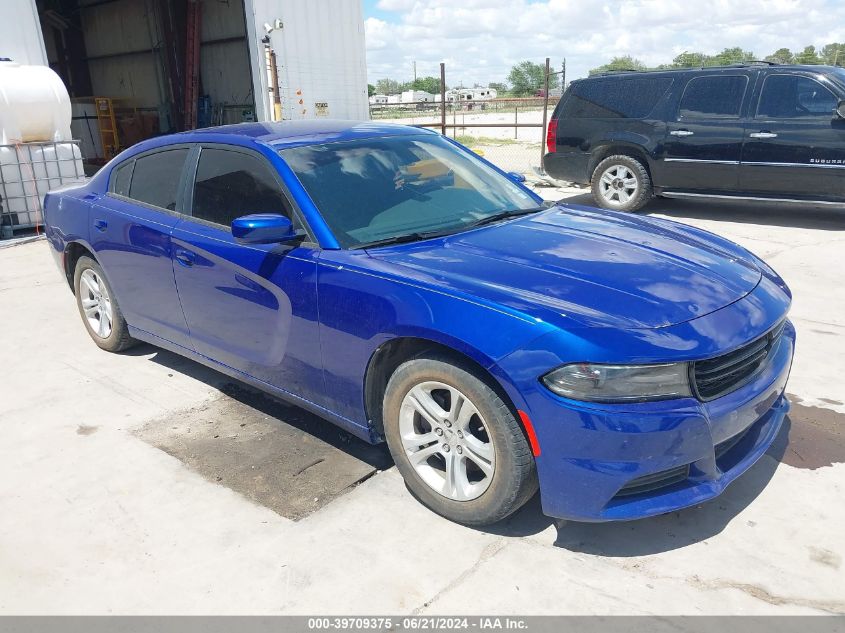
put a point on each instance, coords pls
(98, 307)
(456, 443)
(621, 183)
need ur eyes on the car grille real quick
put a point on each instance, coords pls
(654, 481)
(715, 377)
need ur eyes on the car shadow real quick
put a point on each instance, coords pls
(657, 534)
(794, 215)
(376, 456)
(618, 539)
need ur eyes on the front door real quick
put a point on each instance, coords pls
(250, 307)
(703, 144)
(795, 143)
(130, 234)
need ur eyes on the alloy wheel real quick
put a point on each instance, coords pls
(96, 303)
(618, 184)
(446, 440)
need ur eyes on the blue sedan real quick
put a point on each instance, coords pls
(403, 288)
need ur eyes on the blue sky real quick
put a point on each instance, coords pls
(481, 39)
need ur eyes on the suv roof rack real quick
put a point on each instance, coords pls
(619, 70)
(755, 62)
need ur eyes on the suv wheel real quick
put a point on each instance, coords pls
(456, 443)
(621, 183)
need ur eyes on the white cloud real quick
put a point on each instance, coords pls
(481, 39)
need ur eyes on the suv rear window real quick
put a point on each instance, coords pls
(614, 98)
(713, 97)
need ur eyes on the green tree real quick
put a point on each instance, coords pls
(625, 62)
(808, 56)
(833, 54)
(428, 84)
(781, 56)
(388, 86)
(526, 78)
(733, 55)
(690, 60)
(371, 90)
(500, 88)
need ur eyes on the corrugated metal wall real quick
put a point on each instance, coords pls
(224, 54)
(321, 56)
(123, 41)
(120, 42)
(320, 52)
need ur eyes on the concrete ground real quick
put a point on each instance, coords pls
(143, 483)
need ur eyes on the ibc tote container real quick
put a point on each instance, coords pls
(36, 150)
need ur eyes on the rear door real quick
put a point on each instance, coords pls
(795, 143)
(130, 235)
(250, 307)
(703, 144)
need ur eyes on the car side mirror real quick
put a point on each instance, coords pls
(516, 177)
(840, 109)
(263, 228)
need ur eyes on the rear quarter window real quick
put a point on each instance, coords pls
(121, 177)
(155, 179)
(615, 98)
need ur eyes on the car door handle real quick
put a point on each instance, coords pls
(763, 135)
(681, 133)
(186, 258)
(101, 225)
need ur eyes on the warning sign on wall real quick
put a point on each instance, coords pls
(321, 108)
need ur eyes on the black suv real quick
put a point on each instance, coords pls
(751, 131)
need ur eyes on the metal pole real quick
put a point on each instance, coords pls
(545, 117)
(515, 120)
(443, 98)
(274, 84)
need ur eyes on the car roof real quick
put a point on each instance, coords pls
(815, 68)
(282, 134)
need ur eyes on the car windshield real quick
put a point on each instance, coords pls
(379, 189)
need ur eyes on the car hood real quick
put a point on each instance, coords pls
(579, 266)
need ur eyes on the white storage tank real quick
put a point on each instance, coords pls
(34, 104)
(37, 152)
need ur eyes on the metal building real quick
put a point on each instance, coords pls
(168, 65)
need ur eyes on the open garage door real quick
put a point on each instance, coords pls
(139, 68)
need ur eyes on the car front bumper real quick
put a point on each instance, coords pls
(603, 462)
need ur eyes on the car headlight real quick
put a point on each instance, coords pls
(620, 383)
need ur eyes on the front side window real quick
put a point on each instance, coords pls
(713, 97)
(231, 184)
(794, 96)
(382, 188)
(155, 179)
(614, 98)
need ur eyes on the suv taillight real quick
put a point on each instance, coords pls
(551, 137)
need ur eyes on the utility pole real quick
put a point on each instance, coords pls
(415, 71)
(563, 77)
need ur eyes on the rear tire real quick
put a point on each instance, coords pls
(98, 307)
(476, 466)
(621, 183)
